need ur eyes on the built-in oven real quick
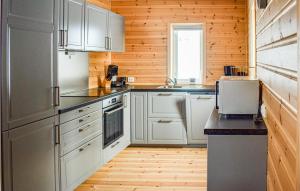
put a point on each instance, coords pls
(112, 120)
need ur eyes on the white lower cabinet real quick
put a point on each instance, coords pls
(81, 163)
(139, 117)
(199, 107)
(166, 131)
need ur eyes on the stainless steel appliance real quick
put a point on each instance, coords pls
(112, 120)
(237, 95)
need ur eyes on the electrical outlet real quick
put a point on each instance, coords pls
(130, 79)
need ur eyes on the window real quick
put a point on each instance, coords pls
(186, 53)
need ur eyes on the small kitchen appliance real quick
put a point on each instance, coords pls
(237, 95)
(112, 75)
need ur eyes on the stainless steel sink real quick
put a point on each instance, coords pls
(170, 87)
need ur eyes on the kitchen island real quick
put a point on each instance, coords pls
(237, 153)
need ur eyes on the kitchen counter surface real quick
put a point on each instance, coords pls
(217, 125)
(82, 98)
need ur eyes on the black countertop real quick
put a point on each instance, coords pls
(219, 125)
(82, 98)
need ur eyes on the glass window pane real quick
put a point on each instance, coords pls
(187, 53)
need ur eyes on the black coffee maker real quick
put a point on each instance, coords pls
(112, 75)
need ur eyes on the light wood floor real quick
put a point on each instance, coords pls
(152, 169)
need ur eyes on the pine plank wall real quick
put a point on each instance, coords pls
(147, 24)
(276, 46)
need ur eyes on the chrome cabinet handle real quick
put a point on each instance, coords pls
(82, 110)
(84, 128)
(165, 121)
(57, 134)
(82, 120)
(82, 148)
(61, 38)
(56, 96)
(162, 94)
(202, 97)
(109, 42)
(112, 146)
(106, 43)
(110, 112)
(65, 37)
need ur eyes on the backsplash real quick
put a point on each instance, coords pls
(73, 71)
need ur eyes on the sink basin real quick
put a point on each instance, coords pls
(169, 87)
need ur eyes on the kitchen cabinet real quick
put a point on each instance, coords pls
(72, 35)
(87, 27)
(166, 104)
(117, 32)
(81, 144)
(29, 63)
(166, 131)
(139, 117)
(126, 118)
(96, 29)
(81, 163)
(30, 157)
(199, 108)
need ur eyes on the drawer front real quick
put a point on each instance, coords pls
(79, 136)
(112, 150)
(166, 131)
(81, 163)
(166, 104)
(75, 123)
(68, 116)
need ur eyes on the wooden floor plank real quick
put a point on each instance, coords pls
(152, 169)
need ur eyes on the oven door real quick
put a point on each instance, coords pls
(113, 124)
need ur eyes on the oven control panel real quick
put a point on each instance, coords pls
(112, 101)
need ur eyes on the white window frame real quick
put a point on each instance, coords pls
(171, 59)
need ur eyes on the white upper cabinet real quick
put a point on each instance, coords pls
(96, 21)
(72, 36)
(29, 70)
(87, 27)
(117, 32)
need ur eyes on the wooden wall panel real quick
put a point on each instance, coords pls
(277, 67)
(147, 24)
(282, 126)
(98, 60)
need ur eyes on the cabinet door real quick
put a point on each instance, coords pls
(166, 104)
(29, 50)
(126, 115)
(139, 117)
(199, 108)
(81, 163)
(74, 24)
(166, 131)
(117, 32)
(96, 19)
(30, 157)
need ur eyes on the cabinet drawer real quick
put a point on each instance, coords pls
(74, 124)
(81, 163)
(80, 135)
(112, 150)
(68, 116)
(166, 104)
(166, 131)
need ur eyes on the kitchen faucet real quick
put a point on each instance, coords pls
(172, 81)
